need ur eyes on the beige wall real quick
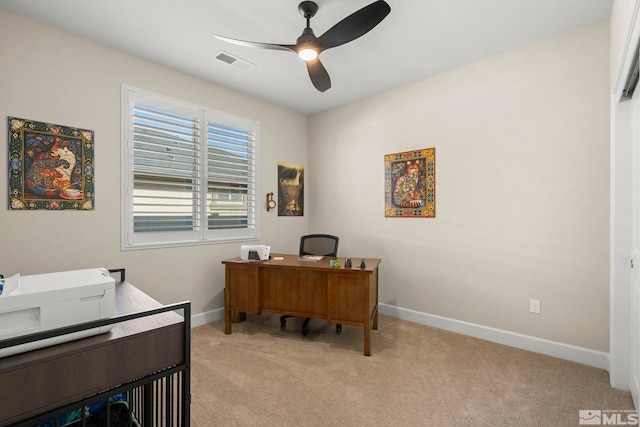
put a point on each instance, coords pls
(522, 172)
(50, 76)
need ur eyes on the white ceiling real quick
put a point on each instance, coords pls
(419, 38)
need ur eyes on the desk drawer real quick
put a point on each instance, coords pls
(242, 288)
(349, 298)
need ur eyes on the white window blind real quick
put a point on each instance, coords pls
(165, 170)
(231, 166)
(190, 173)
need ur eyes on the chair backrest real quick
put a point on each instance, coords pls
(319, 244)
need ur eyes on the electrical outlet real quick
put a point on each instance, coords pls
(534, 306)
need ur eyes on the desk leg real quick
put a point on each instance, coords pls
(227, 312)
(367, 340)
(375, 319)
(370, 323)
(367, 335)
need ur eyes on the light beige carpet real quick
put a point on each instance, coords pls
(261, 375)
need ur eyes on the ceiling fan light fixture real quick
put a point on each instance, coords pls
(308, 54)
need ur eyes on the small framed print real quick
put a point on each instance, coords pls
(410, 184)
(51, 167)
(290, 190)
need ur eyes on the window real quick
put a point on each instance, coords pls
(190, 173)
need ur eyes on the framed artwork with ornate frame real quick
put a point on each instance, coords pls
(410, 184)
(51, 167)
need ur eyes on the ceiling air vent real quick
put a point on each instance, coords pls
(240, 63)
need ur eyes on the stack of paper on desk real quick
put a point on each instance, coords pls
(310, 258)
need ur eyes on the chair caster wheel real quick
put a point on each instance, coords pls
(305, 326)
(338, 329)
(283, 322)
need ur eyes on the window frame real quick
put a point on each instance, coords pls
(131, 240)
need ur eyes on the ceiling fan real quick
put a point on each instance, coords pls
(308, 46)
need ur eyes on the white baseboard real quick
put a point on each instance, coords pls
(207, 317)
(585, 356)
(573, 353)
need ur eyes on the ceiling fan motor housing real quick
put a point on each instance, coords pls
(306, 36)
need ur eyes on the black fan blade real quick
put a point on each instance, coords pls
(319, 75)
(288, 48)
(355, 25)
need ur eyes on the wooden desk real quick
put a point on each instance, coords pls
(304, 289)
(42, 380)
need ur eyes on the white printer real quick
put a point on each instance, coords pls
(40, 302)
(254, 252)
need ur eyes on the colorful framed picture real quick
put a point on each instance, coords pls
(290, 190)
(410, 184)
(51, 167)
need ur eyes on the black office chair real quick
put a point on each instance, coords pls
(315, 244)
